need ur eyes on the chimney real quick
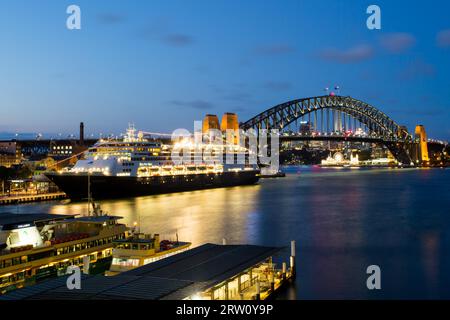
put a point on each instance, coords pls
(230, 126)
(81, 133)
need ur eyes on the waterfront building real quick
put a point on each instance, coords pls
(209, 272)
(10, 153)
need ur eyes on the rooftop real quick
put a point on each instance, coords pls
(97, 219)
(9, 219)
(175, 277)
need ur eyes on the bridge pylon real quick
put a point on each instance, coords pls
(421, 146)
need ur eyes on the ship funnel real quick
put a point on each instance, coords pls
(230, 127)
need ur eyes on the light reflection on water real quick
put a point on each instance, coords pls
(198, 216)
(343, 220)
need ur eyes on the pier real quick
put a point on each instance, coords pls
(207, 272)
(23, 198)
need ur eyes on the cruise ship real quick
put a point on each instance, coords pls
(136, 166)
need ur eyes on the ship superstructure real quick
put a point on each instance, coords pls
(34, 247)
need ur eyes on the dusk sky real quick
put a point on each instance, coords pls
(164, 64)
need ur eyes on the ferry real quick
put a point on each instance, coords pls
(34, 247)
(141, 249)
(136, 166)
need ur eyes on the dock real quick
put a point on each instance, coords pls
(24, 198)
(207, 272)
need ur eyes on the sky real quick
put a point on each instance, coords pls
(163, 64)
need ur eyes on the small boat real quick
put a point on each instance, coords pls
(141, 249)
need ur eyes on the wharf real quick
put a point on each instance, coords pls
(23, 198)
(207, 272)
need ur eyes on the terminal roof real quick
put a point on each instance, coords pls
(175, 277)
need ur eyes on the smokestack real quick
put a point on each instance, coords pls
(81, 133)
(230, 126)
(210, 122)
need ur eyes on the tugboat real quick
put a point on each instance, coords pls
(141, 249)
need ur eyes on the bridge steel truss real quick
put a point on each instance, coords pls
(394, 136)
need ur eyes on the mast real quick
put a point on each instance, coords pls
(89, 193)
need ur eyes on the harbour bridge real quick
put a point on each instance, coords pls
(340, 118)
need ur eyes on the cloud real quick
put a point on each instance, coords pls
(397, 42)
(110, 18)
(278, 85)
(443, 38)
(351, 55)
(432, 112)
(274, 49)
(160, 30)
(237, 96)
(419, 111)
(417, 69)
(177, 39)
(155, 28)
(195, 104)
(238, 109)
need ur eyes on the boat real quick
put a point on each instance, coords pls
(35, 247)
(141, 249)
(136, 166)
(267, 172)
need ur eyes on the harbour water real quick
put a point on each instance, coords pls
(343, 220)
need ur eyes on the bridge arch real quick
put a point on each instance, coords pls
(280, 116)
(394, 136)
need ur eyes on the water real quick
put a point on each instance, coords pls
(342, 219)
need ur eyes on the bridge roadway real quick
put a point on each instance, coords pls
(340, 138)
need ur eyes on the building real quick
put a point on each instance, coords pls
(10, 153)
(7, 160)
(305, 128)
(210, 272)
